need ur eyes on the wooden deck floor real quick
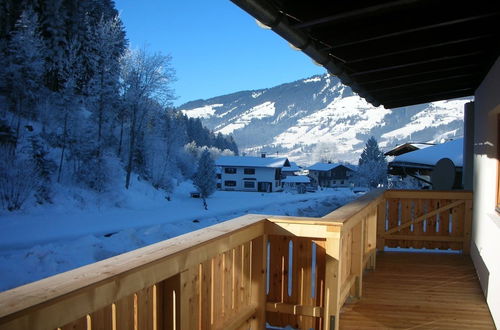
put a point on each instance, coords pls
(419, 291)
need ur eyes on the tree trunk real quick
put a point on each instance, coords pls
(99, 128)
(205, 205)
(121, 136)
(63, 148)
(18, 125)
(132, 147)
(100, 122)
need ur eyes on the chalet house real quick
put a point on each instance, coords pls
(293, 169)
(407, 147)
(258, 270)
(331, 175)
(421, 162)
(296, 182)
(245, 173)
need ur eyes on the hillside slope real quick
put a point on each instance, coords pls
(310, 118)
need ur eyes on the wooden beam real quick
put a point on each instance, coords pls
(467, 227)
(301, 220)
(238, 321)
(356, 13)
(416, 63)
(423, 217)
(415, 49)
(416, 74)
(299, 230)
(429, 194)
(425, 98)
(381, 215)
(424, 82)
(412, 30)
(258, 268)
(303, 310)
(424, 238)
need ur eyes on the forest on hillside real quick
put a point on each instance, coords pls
(79, 108)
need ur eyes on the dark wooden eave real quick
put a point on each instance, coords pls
(395, 53)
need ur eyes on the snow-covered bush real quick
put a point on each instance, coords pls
(18, 179)
(205, 177)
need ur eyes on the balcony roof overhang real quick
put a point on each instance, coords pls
(393, 53)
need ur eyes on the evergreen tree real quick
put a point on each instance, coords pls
(53, 17)
(103, 46)
(372, 166)
(24, 65)
(205, 177)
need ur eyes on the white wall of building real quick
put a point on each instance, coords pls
(485, 250)
(262, 174)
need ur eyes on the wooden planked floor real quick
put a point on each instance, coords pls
(419, 291)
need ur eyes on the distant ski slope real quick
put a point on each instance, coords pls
(293, 118)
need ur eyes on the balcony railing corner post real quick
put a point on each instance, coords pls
(332, 283)
(258, 294)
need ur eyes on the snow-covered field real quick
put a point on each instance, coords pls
(41, 242)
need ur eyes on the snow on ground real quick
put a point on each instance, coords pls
(266, 109)
(202, 112)
(42, 242)
(316, 127)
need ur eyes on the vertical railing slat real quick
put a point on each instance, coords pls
(258, 281)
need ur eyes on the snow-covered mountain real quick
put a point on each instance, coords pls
(319, 117)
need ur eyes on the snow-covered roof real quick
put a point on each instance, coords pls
(431, 155)
(247, 161)
(407, 147)
(327, 166)
(292, 168)
(296, 179)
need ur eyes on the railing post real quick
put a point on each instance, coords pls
(381, 209)
(190, 299)
(467, 227)
(357, 258)
(371, 237)
(332, 280)
(258, 293)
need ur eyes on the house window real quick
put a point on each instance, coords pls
(218, 186)
(342, 182)
(230, 170)
(249, 170)
(249, 184)
(219, 176)
(230, 183)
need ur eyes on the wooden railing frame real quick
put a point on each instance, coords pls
(350, 243)
(456, 204)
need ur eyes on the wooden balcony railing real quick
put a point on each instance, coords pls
(244, 272)
(426, 219)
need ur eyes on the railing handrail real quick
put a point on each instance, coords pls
(99, 284)
(428, 194)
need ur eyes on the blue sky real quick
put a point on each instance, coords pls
(216, 47)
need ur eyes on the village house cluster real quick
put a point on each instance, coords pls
(271, 174)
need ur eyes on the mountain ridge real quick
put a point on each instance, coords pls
(319, 118)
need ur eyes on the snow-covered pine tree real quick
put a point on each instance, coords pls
(104, 45)
(25, 60)
(53, 17)
(68, 97)
(45, 167)
(372, 166)
(205, 177)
